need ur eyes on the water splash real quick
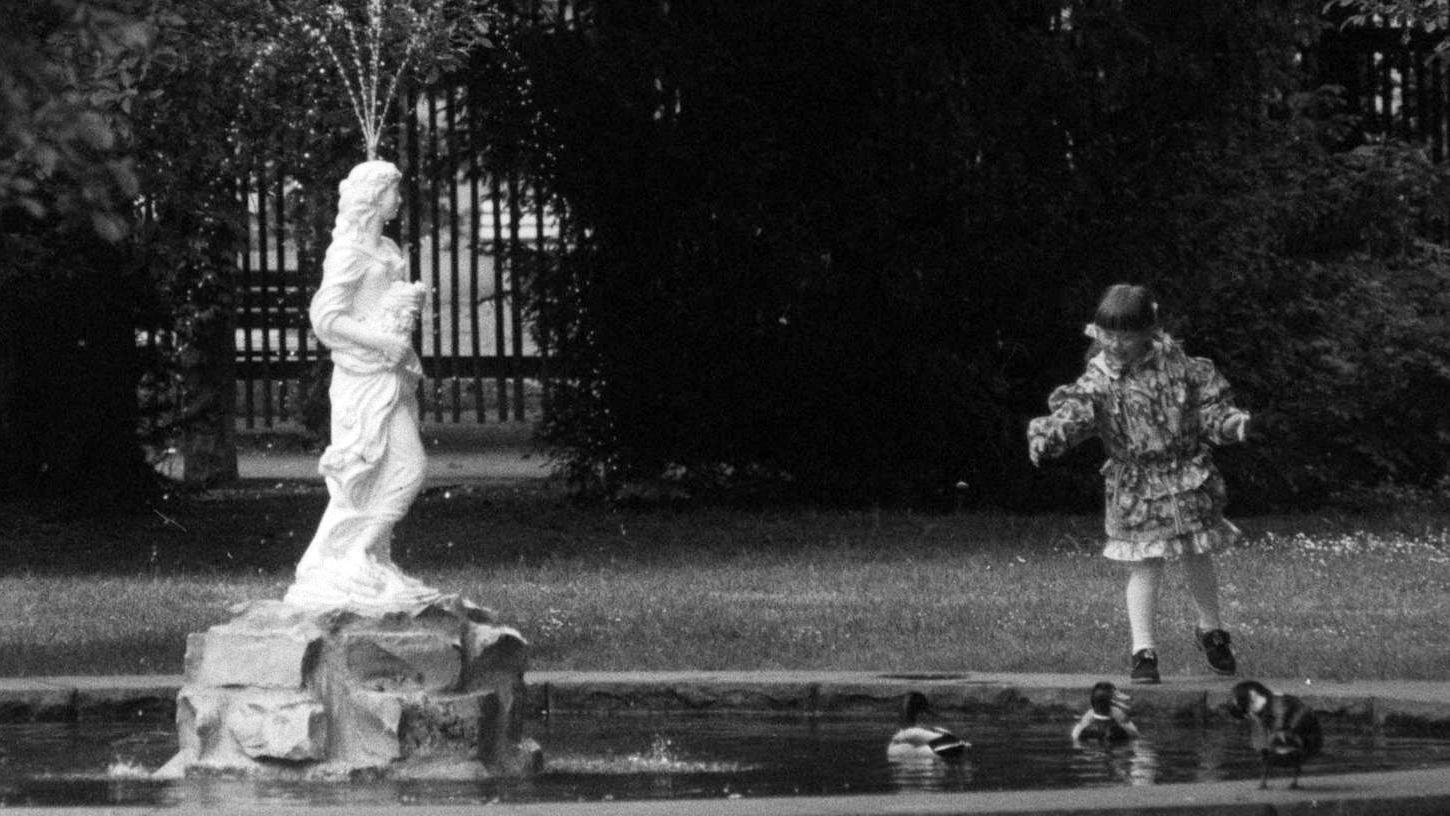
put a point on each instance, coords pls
(127, 769)
(373, 45)
(661, 758)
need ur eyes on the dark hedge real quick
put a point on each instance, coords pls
(843, 250)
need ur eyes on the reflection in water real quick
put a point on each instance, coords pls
(1213, 748)
(1135, 762)
(1143, 763)
(930, 774)
(632, 756)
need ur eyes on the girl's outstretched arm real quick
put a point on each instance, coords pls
(1221, 422)
(1073, 419)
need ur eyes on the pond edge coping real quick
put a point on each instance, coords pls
(1421, 705)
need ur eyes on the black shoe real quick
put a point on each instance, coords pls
(1214, 644)
(1145, 666)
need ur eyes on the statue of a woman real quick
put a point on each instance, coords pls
(364, 311)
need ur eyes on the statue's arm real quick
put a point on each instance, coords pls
(331, 311)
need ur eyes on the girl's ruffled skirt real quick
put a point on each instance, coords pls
(1199, 542)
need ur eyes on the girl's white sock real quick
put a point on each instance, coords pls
(1142, 594)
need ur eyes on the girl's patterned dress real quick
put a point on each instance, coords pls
(1164, 495)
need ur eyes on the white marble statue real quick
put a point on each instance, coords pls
(364, 311)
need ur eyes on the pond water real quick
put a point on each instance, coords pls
(631, 756)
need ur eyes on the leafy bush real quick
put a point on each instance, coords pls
(1323, 290)
(852, 250)
(68, 291)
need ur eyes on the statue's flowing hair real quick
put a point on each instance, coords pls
(359, 196)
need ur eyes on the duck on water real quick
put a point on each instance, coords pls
(916, 740)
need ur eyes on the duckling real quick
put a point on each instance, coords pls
(1285, 731)
(1107, 716)
(915, 740)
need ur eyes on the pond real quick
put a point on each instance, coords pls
(598, 757)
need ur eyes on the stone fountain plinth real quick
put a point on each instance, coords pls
(281, 690)
(360, 667)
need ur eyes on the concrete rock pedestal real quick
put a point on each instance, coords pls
(436, 692)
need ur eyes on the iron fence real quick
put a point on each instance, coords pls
(471, 236)
(1393, 80)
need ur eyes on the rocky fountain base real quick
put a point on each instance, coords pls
(283, 691)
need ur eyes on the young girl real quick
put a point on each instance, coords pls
(1156, 410)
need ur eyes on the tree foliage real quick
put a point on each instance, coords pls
(126, 127)
(68, 288)
(1429, 15)
(68, 73)
(1321, 278)
(840, 250)
(849, 251)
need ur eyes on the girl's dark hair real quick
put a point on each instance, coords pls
(1126, 307)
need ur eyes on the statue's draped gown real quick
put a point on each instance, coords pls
(374, 466)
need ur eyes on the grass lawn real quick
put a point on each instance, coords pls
(1321, 597)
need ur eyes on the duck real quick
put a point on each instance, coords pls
(1107, 717)
(914, 740)
(1284, 730)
